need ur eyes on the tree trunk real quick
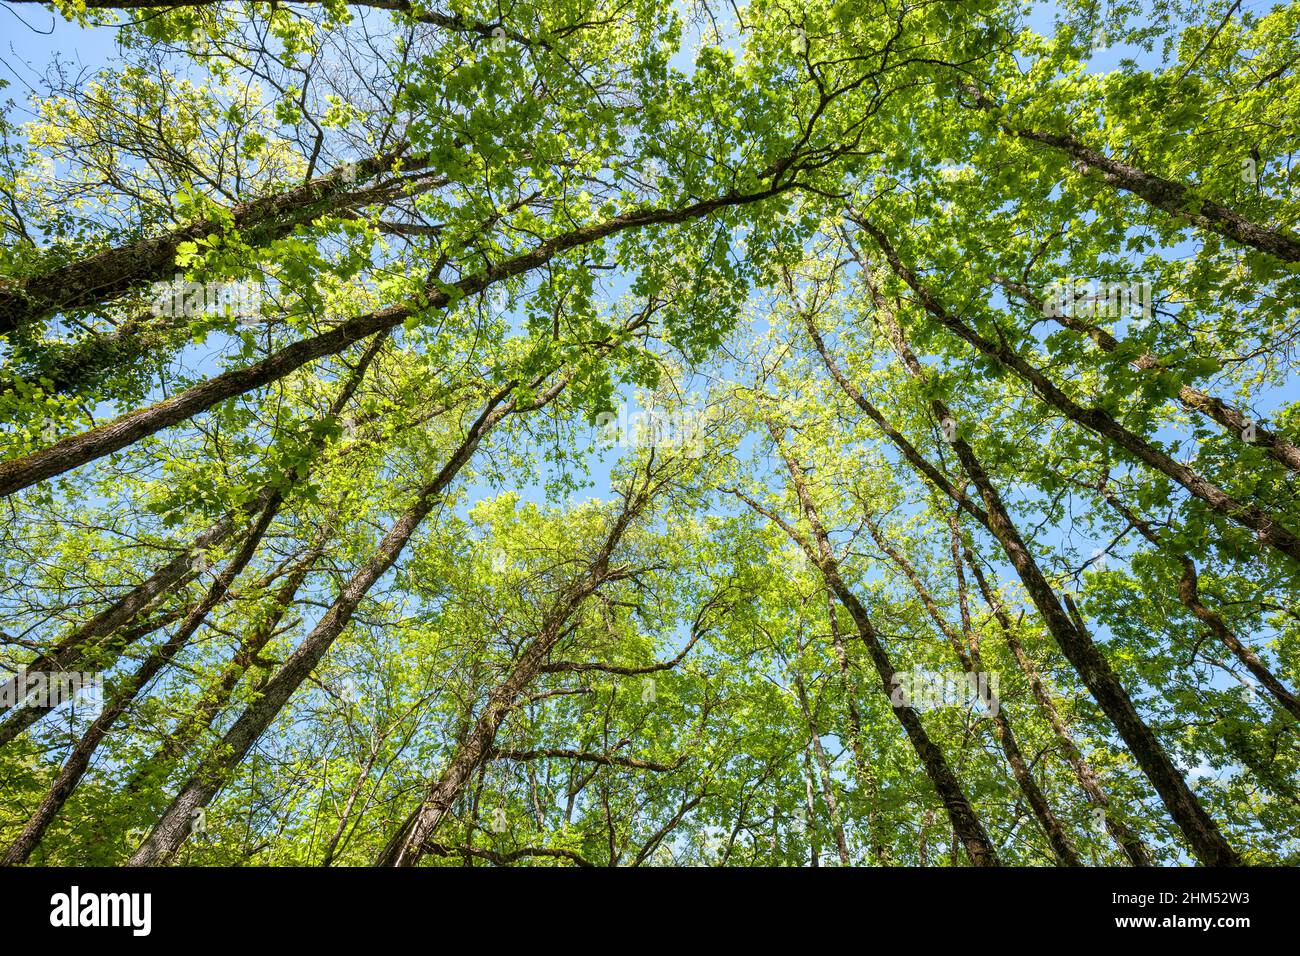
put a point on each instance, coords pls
(107, 275)
(969, 658)
(72, 651)
(77, 450)
(74, 768)
(173, 827)
(1233, 420)
(1267, 528)
(1128, 841)
(1189, 594)
(1200, 830)
(409, 844)
(964, 820)
(1171, 197)
(824, 774)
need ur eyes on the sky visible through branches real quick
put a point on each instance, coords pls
(612, 432)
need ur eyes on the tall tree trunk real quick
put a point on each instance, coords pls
(810, 813)
(1234, 421)
(823, 773)
(867, 782)
(74, 768)
(969, 658)
(1268, 529)
(1198, 827)
(1089, 783)
(174, 825)
(77, 450)
(89, 642)
(964, 820)
(922, 845)
(408, 844)
(1189, 594)
(107, 275)
(1171, 197)
(218, 694)
(74, 649)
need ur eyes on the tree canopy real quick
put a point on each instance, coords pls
(631, 433)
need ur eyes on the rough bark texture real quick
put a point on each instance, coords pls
(1171, 197)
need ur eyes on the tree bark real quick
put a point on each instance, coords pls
(107, 275)
(1189, 594)
(969, 658)
(1233, 420)
(1267, 528)
(173, 827)
(878, 849)
(824, 774)
(1198, 827)
(410, 842)
(1169, 196)
(1089, 783)
(74, 768)
(91, 638)
(960, 812)
(77, 450)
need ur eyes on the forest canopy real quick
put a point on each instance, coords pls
(636, 433)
